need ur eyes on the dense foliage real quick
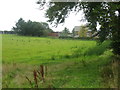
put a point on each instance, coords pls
(65, 32)
(106, 14)
(30, 28)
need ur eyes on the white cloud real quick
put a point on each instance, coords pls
(12, 10)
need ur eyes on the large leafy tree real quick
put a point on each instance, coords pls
(46, 28)
(106, 14)
(65, 32)
(31, 28)
(19, 26)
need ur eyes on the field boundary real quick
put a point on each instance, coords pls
(0, 61)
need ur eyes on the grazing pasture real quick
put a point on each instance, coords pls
(66, 63)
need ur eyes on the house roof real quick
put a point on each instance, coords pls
(76, 28)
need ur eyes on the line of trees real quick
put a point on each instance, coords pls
(31, 28)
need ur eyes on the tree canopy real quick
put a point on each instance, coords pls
(83, 31)
(66, 30)
(106, 14)
(30, 28)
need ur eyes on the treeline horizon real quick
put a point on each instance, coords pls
(31, 28)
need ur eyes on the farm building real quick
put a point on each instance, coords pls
(89, 34)
(54, 34)
(76, 31)
(79, 32)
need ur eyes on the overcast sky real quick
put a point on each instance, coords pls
(12, 10)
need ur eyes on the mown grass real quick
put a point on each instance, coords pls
(71, 63)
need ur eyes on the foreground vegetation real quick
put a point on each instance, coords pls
(68, 63)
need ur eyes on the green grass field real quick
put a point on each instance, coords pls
(70, 63)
